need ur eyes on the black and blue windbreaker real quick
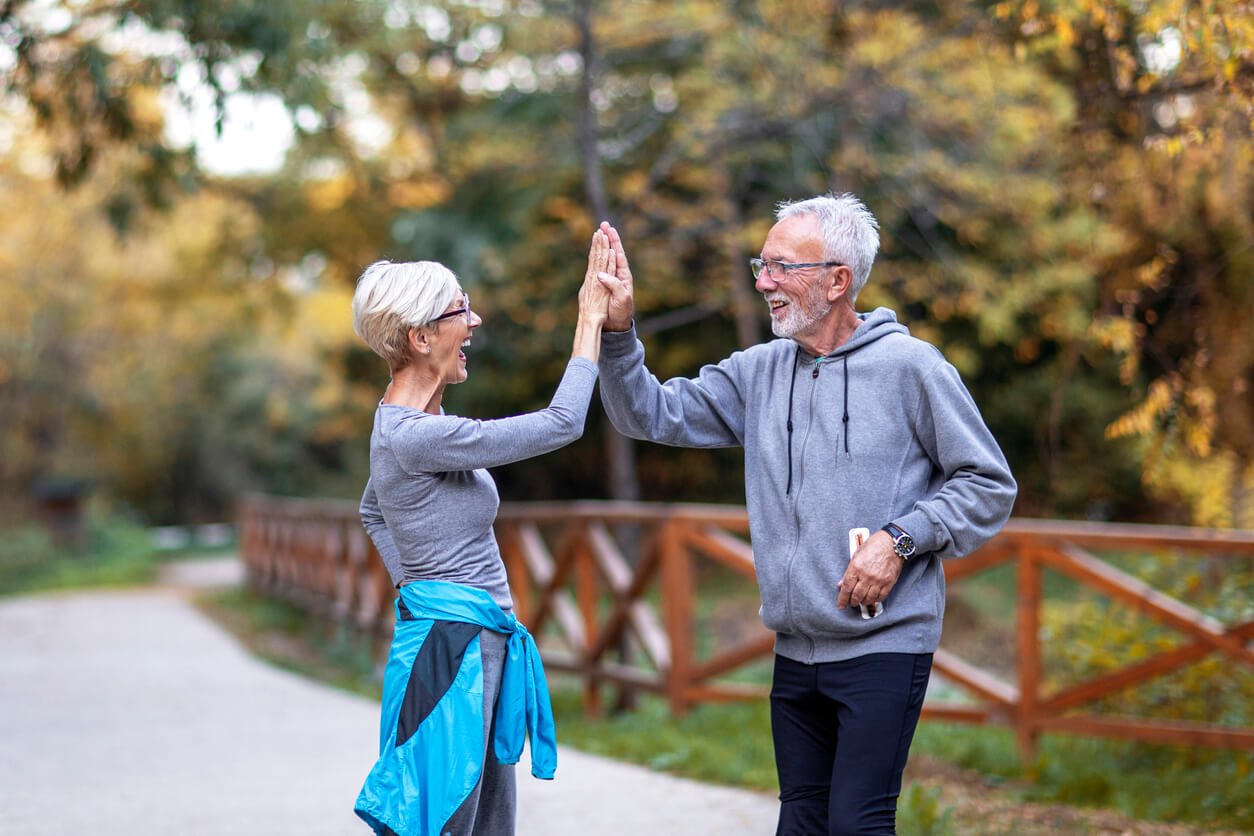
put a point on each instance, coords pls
(431, 731)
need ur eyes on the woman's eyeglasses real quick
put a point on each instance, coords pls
(464, 310)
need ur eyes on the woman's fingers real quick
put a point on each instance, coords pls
(596, 253)
(607, 255)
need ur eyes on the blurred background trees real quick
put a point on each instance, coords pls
(1064, 190)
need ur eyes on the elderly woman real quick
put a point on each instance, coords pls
(461, 671)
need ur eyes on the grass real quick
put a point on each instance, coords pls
(723, 744)
(1207, 787)
(115, 553)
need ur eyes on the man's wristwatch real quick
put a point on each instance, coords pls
(903, 543)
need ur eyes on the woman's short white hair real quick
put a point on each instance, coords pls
(850, 232)
(391, 298)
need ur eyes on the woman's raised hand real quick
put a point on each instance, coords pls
(594, 297)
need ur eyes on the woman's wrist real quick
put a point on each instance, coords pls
(587, 343)
(594, 319)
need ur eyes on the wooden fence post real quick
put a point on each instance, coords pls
(1029, 663)
(586, 595)
(677, 594)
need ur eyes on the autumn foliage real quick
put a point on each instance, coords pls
(1065, 191)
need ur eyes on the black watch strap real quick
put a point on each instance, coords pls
(903, 543)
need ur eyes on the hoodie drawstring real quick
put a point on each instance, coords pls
(844, 418)
(792, 384)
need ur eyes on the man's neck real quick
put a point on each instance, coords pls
(829, 333)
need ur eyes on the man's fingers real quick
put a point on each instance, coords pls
(620, 254)
(616, 286)
(846, 585)
(607, 257)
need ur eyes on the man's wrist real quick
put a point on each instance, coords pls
(903, 544)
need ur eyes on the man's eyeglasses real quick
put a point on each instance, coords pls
(464, 310)
(780, 269)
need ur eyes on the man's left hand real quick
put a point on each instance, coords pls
(872, 573)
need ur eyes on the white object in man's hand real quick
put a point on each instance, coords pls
(858, 536)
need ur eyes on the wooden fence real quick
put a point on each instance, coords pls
(630, 621)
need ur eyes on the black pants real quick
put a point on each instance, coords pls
(842, 731)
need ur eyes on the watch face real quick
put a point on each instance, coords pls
(904, 545)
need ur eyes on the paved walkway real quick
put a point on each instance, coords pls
(130, 713)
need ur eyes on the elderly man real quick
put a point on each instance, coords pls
(866, 464)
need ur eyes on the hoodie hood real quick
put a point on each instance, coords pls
(878, 323)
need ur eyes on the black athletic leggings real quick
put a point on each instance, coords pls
(842, 732)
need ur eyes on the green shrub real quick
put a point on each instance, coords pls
(919, 812)
(1092, 635)
(116, 552)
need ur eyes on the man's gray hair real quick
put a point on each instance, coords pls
(392, 298)
(850, 232)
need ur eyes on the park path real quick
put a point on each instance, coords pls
(128, 712)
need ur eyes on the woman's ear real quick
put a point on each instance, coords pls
(418, 343)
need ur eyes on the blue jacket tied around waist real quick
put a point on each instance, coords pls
(431, 730)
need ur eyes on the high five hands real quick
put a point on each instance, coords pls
(616, 279)
(593, 294)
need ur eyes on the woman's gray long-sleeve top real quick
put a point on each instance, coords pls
(430, 504)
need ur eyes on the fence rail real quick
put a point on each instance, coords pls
(627, 618)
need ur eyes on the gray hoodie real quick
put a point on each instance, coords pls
(881, 430)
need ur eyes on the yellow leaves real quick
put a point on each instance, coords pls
(1203, 485)
(325, 316)
(884, 37)
(417, 194)
(1155, 273)
(974, 231)
(1118, 335)
(633, 184)
(331, 193)
(1140, 420)
(572, 214)
(146, 108)
(1199, 432)
(1177, 421)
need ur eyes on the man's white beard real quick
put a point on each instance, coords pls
(797, 320)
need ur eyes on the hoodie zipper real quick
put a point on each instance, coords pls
(814, 374)
(792, 557)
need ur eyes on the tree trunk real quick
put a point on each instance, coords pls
(619, 451)
(745, 302)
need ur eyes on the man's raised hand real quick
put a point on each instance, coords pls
(618, 283)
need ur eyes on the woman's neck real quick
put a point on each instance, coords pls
(412, 387)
